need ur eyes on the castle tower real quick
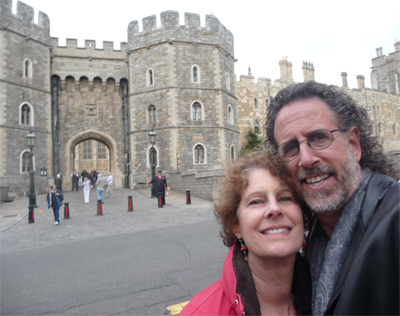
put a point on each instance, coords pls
(385, 74)
(182, 83)
(24, 96)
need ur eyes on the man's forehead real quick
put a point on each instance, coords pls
(303, 116)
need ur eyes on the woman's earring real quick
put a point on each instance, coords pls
(243, 248)
(304, 244)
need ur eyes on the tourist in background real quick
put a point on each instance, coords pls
(87, 185)
(110, 181)
(100, 187)
(54, 200)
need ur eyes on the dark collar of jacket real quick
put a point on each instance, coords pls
(376, 190)
(301, 287)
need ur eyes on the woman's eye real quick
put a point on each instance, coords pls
(286, 198)
(255, 202)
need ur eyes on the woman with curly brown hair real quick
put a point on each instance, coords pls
(263, 222)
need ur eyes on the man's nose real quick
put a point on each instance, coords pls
(307, 156)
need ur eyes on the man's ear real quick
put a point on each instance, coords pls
(354, 142)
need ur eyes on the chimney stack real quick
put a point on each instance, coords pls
(344, 80)
(360, 82)
(286, 69)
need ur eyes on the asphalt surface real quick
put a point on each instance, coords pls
(84, 223)
(119, 263)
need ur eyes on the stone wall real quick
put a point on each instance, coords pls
(202, 186)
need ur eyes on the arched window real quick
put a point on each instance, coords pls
(230, 115)
(255, 104)
(228, 82)
(27, 68)
(266, 104)
(196, 111)
(24, 161)
(152, 113)
(232, 154)
(195, 74)
(101, 150)
(150, 77)
(380, 129)
(256, 127)
(149, 157)
(394, 129)
(199, 154)
(25, 114)
(87, 150)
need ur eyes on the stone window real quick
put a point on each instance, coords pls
(230, 115)
(266, 104)
(394, 129)
(101, 150)
(197, 111)
(227, 81)
(148, 157)
(380, 128)
(152, 113)
(255, 104)
(232, 154)
(27, 68)
(87, 150)
(195, 74)
(199, 154)
(256, 127)
(25, 117)
(150, 77)
(24, 161)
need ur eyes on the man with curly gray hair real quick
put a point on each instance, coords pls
(340, 170)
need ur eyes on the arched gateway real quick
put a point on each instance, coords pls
(101, 137)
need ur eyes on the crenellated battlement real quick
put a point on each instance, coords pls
(214, 33)
(23, 21)
(90, 45)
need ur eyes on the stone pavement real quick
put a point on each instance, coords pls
(17, 234)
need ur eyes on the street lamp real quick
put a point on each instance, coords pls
(152, 135)
(32, 196)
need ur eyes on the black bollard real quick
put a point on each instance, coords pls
(160, 201)
(66, 210)
(188, 200)
(99, 208)
(31, 215)
(130, 204)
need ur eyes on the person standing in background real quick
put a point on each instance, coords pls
(110, 181)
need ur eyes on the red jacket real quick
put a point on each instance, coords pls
(235, 292)
(219, 298)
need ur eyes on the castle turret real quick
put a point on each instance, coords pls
(25, 95)
(182, 84)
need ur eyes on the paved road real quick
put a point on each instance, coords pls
(84, 223)
(121, 263)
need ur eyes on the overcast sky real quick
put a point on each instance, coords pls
(335, 35)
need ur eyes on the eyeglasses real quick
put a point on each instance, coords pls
(319, 140)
